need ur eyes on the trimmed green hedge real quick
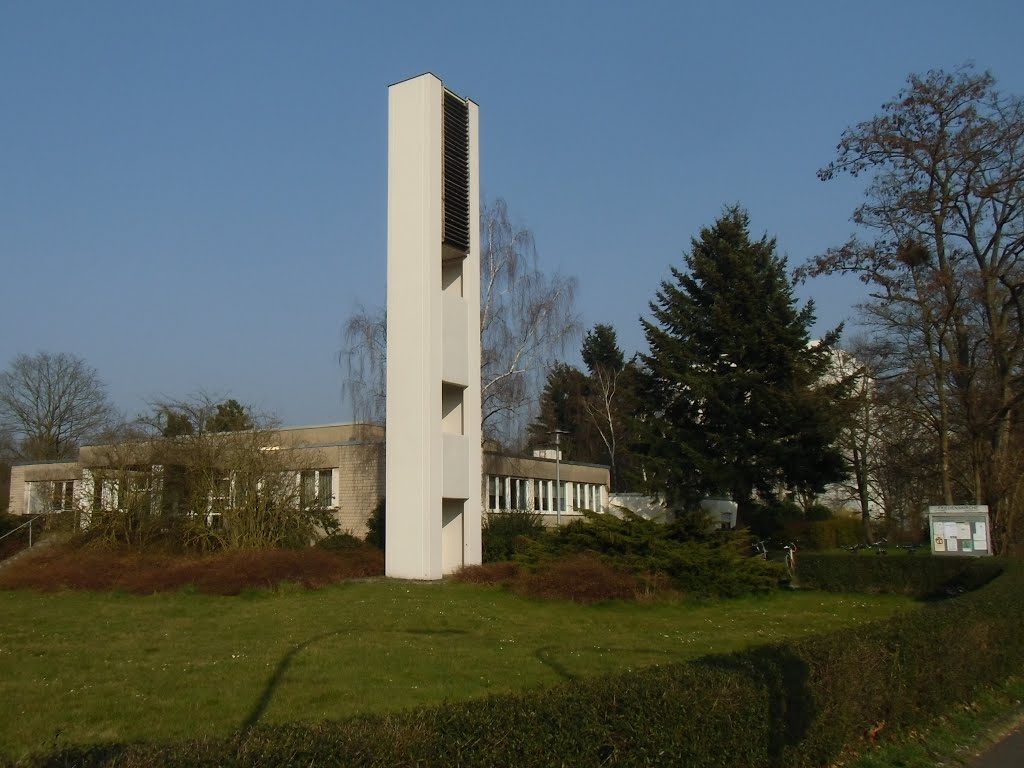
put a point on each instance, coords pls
(794, 704)
(923, 576)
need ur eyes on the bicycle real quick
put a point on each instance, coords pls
(790, 550)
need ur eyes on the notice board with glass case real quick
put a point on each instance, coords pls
(960, 530)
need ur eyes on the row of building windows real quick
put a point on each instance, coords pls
(506, 493)
(316, 489)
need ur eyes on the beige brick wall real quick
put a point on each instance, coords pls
(362, 485)
(17, 502)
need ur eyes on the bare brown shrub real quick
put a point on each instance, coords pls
(502, 572)
(583, 578)
(225, 573)
(656, 586)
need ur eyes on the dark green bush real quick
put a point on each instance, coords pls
(696, 560)
(799, 704)
(377, 526)
(918, 575)
(19, 536)
(9, 522)
(504, 533)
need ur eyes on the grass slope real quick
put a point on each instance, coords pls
(80, 667)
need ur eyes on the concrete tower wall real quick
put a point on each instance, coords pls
(434, 454)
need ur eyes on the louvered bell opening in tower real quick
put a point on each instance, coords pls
(456, 177)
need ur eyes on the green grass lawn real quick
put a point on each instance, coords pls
(80, 667)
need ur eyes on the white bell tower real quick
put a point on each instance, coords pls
(434, 454)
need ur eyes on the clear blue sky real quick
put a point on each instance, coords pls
(192, 194)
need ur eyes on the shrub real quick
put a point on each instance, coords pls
(582, 578)
(226, 573)
(9, 522)
(696, 560)
(919, 576)
(377, 526)
(504, 533)
(501, 572)
(241, 489)
(340, 542)
(14, 543)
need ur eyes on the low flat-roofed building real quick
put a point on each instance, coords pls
(340, 465)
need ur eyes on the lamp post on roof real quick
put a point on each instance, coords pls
(558, 477)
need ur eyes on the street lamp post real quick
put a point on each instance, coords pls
(558, 477)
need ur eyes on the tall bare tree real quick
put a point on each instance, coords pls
(595, 408)
(857, 434)
(364, 357)
(50, 403)
(612, 380)
(945, 203)
(527, 316)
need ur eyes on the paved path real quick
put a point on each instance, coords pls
(1008, 753)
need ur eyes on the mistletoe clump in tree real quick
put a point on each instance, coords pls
(735, 399)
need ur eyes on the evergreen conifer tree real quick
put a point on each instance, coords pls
(735, 402)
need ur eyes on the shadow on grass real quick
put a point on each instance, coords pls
(282, 667)
(546, 657)
(785, 676)
(275, 679)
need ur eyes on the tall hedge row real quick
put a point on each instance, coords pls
(792, 704)
(917, 575)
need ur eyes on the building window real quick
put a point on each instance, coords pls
(104, 493)
(220, 494)
(544, 496)
(50, 496)
(495, 493)
(219, 501)
(541, 501)
(128, 490)
(517, 493)
(56, 496)
(504, 493)
(62, 497)
(586, 496)
(316, 488)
